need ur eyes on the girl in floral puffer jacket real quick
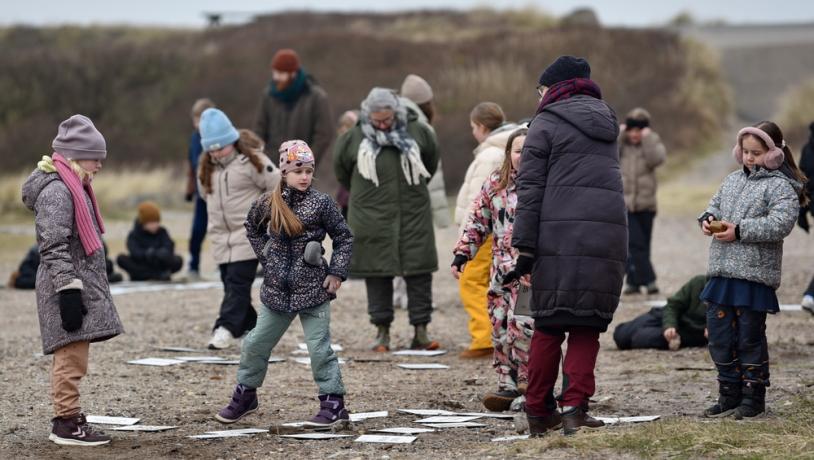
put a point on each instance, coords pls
(285, 228)
(492, 212)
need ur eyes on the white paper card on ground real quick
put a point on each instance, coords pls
(404, 430)
(511, 438)
(419, 352)
(385, 439)
(334, 347)
(222, 362)
(240, 431)
(275, 359)
(144, 428)
(200, 358)
(358, 417)
(637, 419)
(454, 425)
(426, 366)
(488, 415)
(155, 362)
(104, 420)
(426, 412)
(315, 436)
(449, 419)
(215, 436)
(178, 349)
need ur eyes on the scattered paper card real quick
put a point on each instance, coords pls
(426, 412)
(511, 438)
(449, 419)
(104, 420)
(200, 358)
(419, 352)
(315, 436)
(155, 362)
(144, 428)
(454, 425)
(222, 362)
(178, 349)
(240, 431)
(405, 430)
(489, 415)
(358, 417)
(334, 347)
(423, 366)
(275, 359)
(221, 435)
(385, 439)
(638, 419)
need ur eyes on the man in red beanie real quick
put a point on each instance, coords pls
(293, 106)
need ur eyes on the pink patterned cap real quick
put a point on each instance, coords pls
(295, 154)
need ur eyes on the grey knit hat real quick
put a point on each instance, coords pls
(78, 139)
(380, 99)
(416, 89)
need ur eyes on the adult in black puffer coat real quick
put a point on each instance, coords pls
(152, 251)
(571, 228)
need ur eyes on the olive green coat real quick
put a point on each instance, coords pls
(392, 223)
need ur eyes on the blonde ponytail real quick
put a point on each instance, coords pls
(281, 217)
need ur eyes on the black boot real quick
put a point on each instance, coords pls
(729, 398)
(753, 402)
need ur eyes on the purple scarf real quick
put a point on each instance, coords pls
(87, 232)
(568, 88)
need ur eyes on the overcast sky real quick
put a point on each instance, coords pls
(189, 13)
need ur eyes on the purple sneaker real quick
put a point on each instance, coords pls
(331, 413)
(243, 403)
(75, 431)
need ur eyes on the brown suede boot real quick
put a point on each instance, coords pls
(539, 426)
(575, 418)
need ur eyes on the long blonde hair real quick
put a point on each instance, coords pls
(281, 217)
(506, 168)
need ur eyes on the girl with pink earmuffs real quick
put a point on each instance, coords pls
(748, 218)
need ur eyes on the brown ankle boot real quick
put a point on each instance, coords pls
(539, 426)
(574, 419)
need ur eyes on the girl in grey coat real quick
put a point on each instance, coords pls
(73, 298)
(750, 215)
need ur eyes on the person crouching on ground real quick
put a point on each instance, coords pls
(233, 172)
(152, 252)
(286, 228)
(74, 303)
(748, 217)
(492, 213)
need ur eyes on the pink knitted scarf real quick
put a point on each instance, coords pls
(87, 232)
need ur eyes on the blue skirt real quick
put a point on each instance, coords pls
(735, 292)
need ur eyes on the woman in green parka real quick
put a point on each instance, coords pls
(386, 161)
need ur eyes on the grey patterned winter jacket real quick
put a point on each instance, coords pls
(290, 284)
(64, 265)
(764, 205)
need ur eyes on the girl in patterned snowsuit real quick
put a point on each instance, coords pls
(492, 212)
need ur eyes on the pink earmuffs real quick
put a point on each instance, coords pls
(775, 155)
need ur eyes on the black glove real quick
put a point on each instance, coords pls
(459, 261)
(164, 255)
(802, 219)
(71, 309)
(188, 197)
(524, 265)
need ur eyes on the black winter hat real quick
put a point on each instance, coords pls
(565, 68)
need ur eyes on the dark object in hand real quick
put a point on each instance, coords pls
(716, 226)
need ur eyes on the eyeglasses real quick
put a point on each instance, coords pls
(382, 123)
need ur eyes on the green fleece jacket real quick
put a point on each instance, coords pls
(685, 311)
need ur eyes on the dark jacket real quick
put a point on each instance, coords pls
(64, 265)
(27, 272)
(308, 118)
(571, 213)
(685, 311)
(152, 249)
(392, 223)
(807, 166)
(290, 284)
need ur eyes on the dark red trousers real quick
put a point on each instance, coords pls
(578, 368)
